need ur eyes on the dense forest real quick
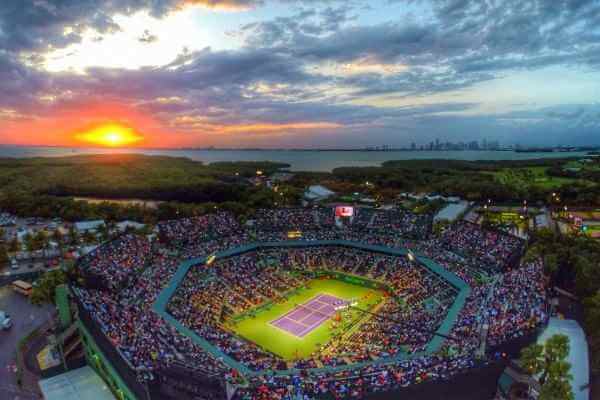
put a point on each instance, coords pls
(501, 181)
(46, 186)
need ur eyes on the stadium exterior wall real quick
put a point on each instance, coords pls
(458, 387)
(99, 361)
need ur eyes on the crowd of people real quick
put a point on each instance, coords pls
(135, 270)
(402, 222)
(188, 231)
(118, 261)
(489, 247)
(518, 303)
(417, 298)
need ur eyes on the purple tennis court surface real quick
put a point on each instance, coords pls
(306, 317)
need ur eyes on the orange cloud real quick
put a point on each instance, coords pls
(223, 5)
(269, 128)
(202, 123)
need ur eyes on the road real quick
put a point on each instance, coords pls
(24, 267)
(26, 317)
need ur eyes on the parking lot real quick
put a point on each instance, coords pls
(25, 317)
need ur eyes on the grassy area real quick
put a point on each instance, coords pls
(583, 166)
(523, 178)
(257, 328)
(500, 218)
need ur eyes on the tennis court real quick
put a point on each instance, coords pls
(318, 298)
(308, 316)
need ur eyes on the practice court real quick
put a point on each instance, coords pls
(306, 317)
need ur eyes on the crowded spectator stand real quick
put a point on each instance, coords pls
(125, 278)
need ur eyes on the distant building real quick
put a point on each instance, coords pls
(124, 225)
(7, 219)
(451, 212)
(89, 226)
(542, 221)
(317, 193)
(85, 250)
(281, 176)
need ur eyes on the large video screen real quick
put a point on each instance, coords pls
(344, 211)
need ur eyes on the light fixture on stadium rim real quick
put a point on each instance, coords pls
(411, 256)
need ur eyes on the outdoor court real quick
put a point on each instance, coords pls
(298, 326)
(308, 316)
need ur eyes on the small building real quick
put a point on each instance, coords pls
(124, 225)
(22, 232)
(281, 176)
(453, 199)
(89, 226)
(85, 250)
(542, 221)
(7, 219)
(317, 193)
(451, 212)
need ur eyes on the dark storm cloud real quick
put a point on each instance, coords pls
(34, 25)
(18, 83)
(204, 69)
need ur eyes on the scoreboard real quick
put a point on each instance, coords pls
(344, 211)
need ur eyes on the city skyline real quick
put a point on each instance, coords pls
(299, 74)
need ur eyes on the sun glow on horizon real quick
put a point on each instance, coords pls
(110, 135)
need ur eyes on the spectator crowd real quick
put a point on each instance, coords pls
(134, 270)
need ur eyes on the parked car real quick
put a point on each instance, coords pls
(5, 321)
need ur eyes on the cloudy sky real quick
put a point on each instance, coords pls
(292, 73)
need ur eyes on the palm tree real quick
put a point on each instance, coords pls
(104, 232)
(548, 361)
(73, 236)
(14, 245)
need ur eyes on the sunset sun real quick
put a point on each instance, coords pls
(110, 135)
